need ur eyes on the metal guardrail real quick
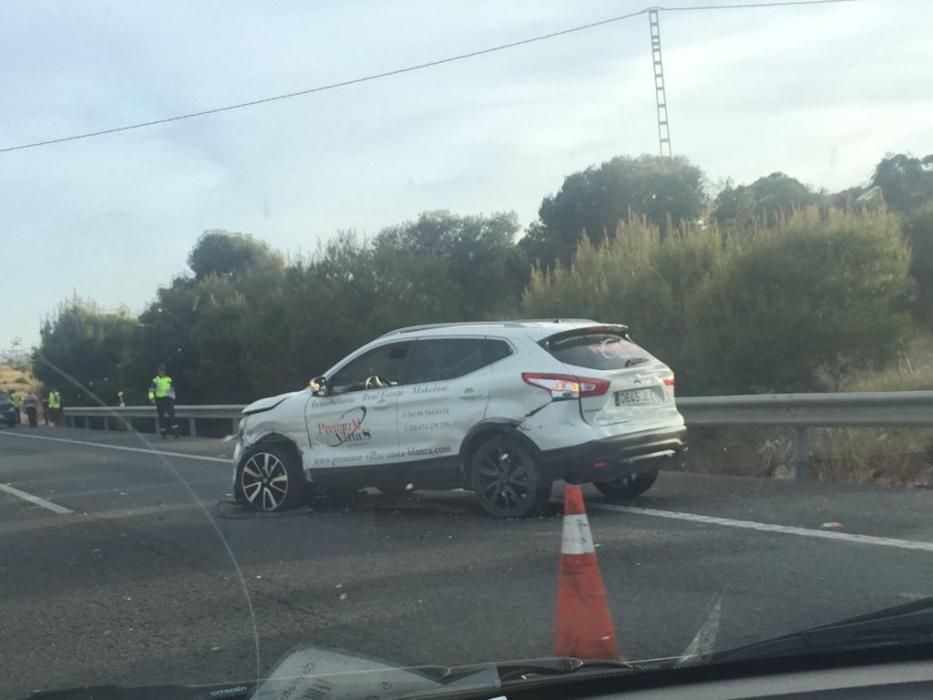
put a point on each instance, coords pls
(799, 411)
(869, 409)
(857, 409)
(109, 417)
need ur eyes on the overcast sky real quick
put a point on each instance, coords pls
(820, 93)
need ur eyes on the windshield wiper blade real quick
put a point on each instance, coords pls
(911, 623)
(557, 666)
(224, 691)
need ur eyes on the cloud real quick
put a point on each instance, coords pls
(821, 93)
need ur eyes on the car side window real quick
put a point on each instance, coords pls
(440, 359)
(382, 366)
(496, 350)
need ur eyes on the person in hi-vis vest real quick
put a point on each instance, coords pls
(54, 414)
(162, 392)
(17, 401)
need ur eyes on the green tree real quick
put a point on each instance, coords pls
(487, 269)
(222, 253)
(918, 229)
(83, 352)
(799, 305)
(217, 338)
(905, 181)
(787, 308)
(764, 202)
(351, 292)
(666, 191)
(209, 328)
(637, 278)
(163, 335)
(851, 198)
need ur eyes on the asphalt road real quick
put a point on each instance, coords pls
(136, 568)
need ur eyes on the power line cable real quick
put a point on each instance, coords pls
(746, 5)
(409, 69)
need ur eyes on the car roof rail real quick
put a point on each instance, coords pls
(453, 324)
(516, 323)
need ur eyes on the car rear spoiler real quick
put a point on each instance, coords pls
(617, 328)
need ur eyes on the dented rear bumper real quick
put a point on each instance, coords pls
(605, 459)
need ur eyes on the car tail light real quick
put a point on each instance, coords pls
(668, 380)
(565, 386)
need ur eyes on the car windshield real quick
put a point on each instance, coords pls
(463, 338)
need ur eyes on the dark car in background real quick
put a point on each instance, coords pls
(7, 410)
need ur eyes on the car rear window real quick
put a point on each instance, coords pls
(596, 351)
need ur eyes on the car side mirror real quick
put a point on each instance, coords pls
(318, 386)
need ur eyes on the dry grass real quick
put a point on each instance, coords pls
(747, 451)
(901, 456)
(897, 457)
(16, 376)
(892, 456)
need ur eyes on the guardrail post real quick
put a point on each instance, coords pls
(192, 430)
(234, 425)
(802, 453)
(106, 422)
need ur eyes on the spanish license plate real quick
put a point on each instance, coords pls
(637, 397)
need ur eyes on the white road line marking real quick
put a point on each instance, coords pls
(88, 443)
(769, 527)
(35, 500)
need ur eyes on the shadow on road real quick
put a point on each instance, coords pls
(417, 504)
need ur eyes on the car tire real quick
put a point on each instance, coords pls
(269, 478)
(506, 478)
(628, 485)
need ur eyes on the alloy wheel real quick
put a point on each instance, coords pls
(264, 481)
(505, 476)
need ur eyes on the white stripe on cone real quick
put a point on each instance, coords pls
(576, 536)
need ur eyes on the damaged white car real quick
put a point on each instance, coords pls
(500, 408)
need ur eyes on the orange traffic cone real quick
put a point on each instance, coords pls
(582, 624)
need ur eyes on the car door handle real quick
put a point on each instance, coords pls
(472, 394)
(382, 405)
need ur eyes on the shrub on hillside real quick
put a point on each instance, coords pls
(919, 230)
(797, 306)
(782, 309)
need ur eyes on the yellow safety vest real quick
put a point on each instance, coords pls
(16, 399)
(161, 388)
(55, 399)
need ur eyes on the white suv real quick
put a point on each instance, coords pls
(501, 408)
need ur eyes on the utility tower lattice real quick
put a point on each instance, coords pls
(664, 131)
